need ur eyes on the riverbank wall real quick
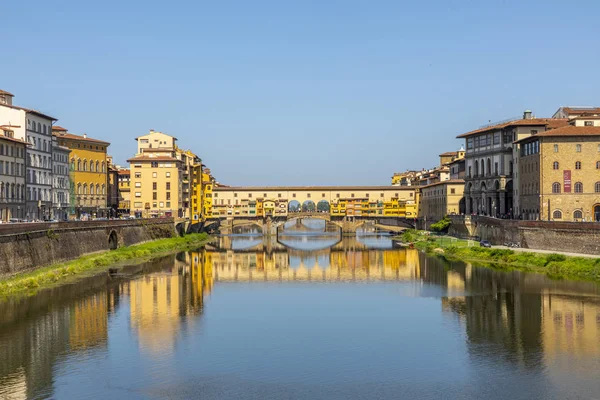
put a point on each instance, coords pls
(574, 237)
(26, 247)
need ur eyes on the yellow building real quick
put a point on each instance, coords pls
(207, 193)
(197, 204)
(440, 199)
(89, 168)
(124, 178)
(558, 173)
(156, 177)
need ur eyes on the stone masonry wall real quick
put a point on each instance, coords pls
(29, 246)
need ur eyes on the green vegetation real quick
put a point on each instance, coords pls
(557, 266)
(442, 225)
(28, 283)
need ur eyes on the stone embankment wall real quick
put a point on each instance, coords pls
(575, 237)
(30, 246)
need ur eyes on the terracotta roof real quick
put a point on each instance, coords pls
(2, 137)
(58, 128)
(450, 181)
(64, 135)
(585, 117)
(582, 110)
(550, 122)
(148, 158)
(30, 110)
(9, 127)
(449, 153)
(5, 92)
(572, 131)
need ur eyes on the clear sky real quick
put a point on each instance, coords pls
(299, 92)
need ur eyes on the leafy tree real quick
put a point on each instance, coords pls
(442, 225)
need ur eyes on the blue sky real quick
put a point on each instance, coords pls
(299, 92)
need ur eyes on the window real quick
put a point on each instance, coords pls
(235, 195)
(578, 187)
(168, 195)
(138, 184)
(337, 195)
(597, 187)
(168, 185)
(597, 164)
(278, 194)
(577, 214)
(154, 174)
(557, 214)
(138, 194)
(154, 196)
(556, 148)
(588, 123)
(452, 191)
(169, 204)
(578, 148)
(138, 174)
(578, 165)
(534, 132)
(308, 195)
(137, 205)
(555, 165)
(154, 184)
(154, 164)
(168, 174)
(249, 195)
(556, 187)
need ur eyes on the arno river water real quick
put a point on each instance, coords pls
(308, 316)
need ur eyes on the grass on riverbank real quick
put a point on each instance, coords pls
(30, 282)
(557, 266)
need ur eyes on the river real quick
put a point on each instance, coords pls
(308, 316)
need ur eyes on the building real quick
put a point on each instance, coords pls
(440, 199)
(113, 197)
(124, 178)
(35, 128)
(489, 165)
(208, 183)
(571, 112)
(12, 175)
(156, 177)
(88, 163)
(61, 181)
(197, 203)
(408, 178)
(560, 173)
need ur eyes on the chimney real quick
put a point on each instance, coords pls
(85, 135)
(527, 114)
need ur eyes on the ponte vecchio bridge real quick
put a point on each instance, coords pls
(348, 207)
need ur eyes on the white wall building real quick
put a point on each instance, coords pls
(12, 175)
(36, 129)
(61, 184)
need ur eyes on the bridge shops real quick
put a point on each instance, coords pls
(334, 201)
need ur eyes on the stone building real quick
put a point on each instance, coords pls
(88, 163)
(440, 199)
(489, 179)
(35, 128)
(12, 175)
(560, 173)
(61, 181)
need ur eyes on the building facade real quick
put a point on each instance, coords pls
(441, 199)
(88, 163)
(560, 173)
(61, 182)
(113, 196)
(35, 128)
(156, 177)
(124, 178)
(12, 175)
(489, 179)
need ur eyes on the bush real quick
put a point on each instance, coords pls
(442, 225)
(555, 257)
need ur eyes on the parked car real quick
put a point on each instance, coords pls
(485, 243)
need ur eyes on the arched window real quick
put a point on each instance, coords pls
(482, 168)
(78, 165)
(103, 189)
(97, 188)
(556, 148)
(597, 187)
(79, 188)
(97, 166)
(597, 164)
(489, 166)
(578, 187)
(85, 168)
(577, 164)
(476, 168)
(555, 165)
(556, 187)
(85, 188)
(73, 164)
(578, 148)
(92, 188)
(577, 214)
(103, 167)
(39, 126)
(91, 166)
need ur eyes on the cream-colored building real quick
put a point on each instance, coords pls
(440, 199)
(12, 175)
(156, 177)
(560, 173)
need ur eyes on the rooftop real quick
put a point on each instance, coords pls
(5, 92)
(84, 138)
(29, 110)
(306, 188)
(450, 181)
(570, 131)
(449, 154)
(150, 158)
(551, 123)
(581, 110)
